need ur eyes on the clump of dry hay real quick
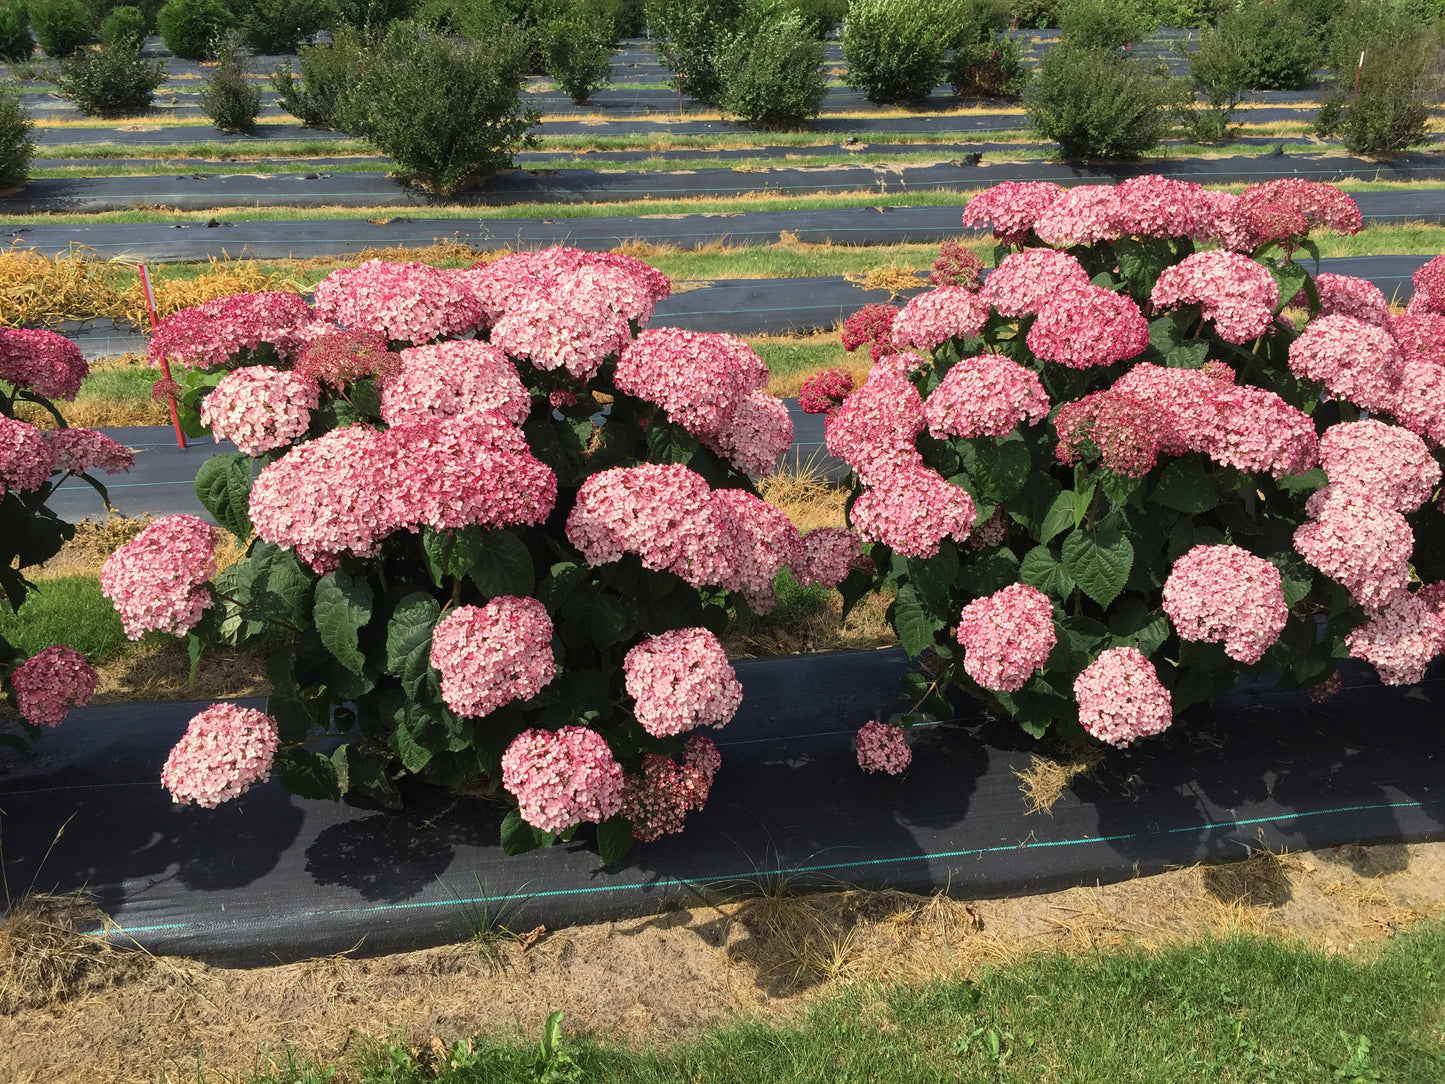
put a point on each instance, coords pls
(221, 279)
(94, 541)
(893, 278)
(806, 497)
(1046, 778)
(37, 291)
(45, 959)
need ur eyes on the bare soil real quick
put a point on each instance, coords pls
(115, 1015)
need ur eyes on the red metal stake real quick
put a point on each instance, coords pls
(145, 278)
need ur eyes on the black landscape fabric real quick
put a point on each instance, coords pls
(271, 877)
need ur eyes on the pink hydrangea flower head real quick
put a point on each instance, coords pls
(1123, 433)
(1345, 295)
(1352, 359)
(451, 378)
(1326, 690)
(1012, 208)
(570, 324)
(1186, 398)
(51, 682)
(1225, 594)
(987, 396)
(1386, 463)
(155, 580)
(956, 266)
(760, 432)
(764, 540)
(1362, 545)
(872, 325)
(1401, 639)
(26, 457)
(260, 408)
(1429, 282)
(406, 302)
(934, 317)
(1420, 399)
(876, 428)
(883, 747)
(1121, 699)
(42, 361)
(1421, 336)
(491, 655)
(912, 510)
(1006, 636)
(211, 334)
(337, 358)
(1154, 206)
(828, 555)
(225, 751)
(1319, 204)
(1236, 293)
(1084, 214)
(634, 287)
(679, 681)
(823, 391)
(1024, 282)
(1088, 327)
(563, 778)
(1256, 430)
(700, 378)
(80, 450)
(658, 799)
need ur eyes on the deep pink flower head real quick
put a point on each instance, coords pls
(1386, 463)
(80, 450)
(1319, 204)
(763, 540)
(26, 457)
(42, 361)
(1154, 206)
(450, 378)
(912, 509)
(155, 580)
(1402, 638)
(1012, 208)
(226, 749)
(681, 680)
(406, 302)
(1007, 636)
(1121, 699)
(1352, 359)
(1084, 214)
(562, 779)
(1188, 399)
(987, 396)
(569, 324)
(1345, 295)
(1124, 433)
(1226, 594)
(883, 747)
(956, 266)
(1082, 328)
(876, 428)
(339, 357)
(1429, 282)
(1025, 282)
(1358, 543)
(871, 325)
(828, 555)
(51, 682)
(260, 408)
(1421, 336)
(633, 287)
(932, 318)
(658, 799)
(491, 655)
(1238, 294)
(208, 335)
(823, 391)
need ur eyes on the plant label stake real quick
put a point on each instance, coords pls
(145, 278)
(1359, 70)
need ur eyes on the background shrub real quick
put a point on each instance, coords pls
(378, 13)
(689, 35)
(821, 17)
(1098, 104)
(1101, 24)
(447, 111)
(772, 70)
(15, 43)
(984, 63)
(189, 27)
(1036, 14)
(17, 143)
(329, 75)
(1219, 71)
(61, 26)
(1281, 48)
(577, 51)
(124, 27)
(109, 79)
(1194, 14)
(277, 26)
(231, 103)
(895, 49)
(1403, 77)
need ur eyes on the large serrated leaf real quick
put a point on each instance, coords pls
(1099, 562)
(1041, 568)
(1184, 487)
(451, 553)
(307, 774)
(408, 640)
(1133, 624)
(1296, 577)
(518, 836)
(503, 566)
(933, 579)
(1060, 516)
(912, 622)
(1002, 469)
(614, 839)
(342, 608)
(223, 486)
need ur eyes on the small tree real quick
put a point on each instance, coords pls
(125, 27)
(1399, 82)
(772, 71)
(329, 75)
(1098, 104)
(15, 43)
(110, 80)
(984, 62)
(689, 34)
(227, 98)
(896, 49)
(17, 143)
(1101, 24)
(577, 51)
(277, 26)
(190, 27)
(62, 26)
(1219, 73)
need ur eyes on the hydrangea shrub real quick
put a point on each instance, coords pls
(39, 367)
(491, 526)
(1115, 476)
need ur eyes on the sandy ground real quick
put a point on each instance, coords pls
(89, 1013)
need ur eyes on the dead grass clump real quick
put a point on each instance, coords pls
(1046, 778)
(160, 669)
(806, 497)
(893, 278)
(96, 413)
(46, 959)
(37, 291)
(94, 541)
(221, 279)
(1260, 880)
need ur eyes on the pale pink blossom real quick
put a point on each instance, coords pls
(883, 747)
(1385, 463)
(1225, 594)
(80, 450)
(1012, 207)
(1121, 698)
(1236, 293)
(563, 778)
(679, 681)
(260, 408)
(213, 333)
(1358, 543)
(51, 682)
(407, 302)
(934, 317)
(1402, 638)
(987, 396)
(225, 751)
(1085, 327)
(155, 581)
(1024, 282)
(1007, 636)
(450, 378)
(491, 655)
(26, 457)
(912, 509)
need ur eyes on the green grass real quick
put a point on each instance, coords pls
(788, 359)
(310, 148)
(1234, 1011)
(67, 610)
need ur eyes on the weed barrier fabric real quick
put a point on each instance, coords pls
(270, 877)
(161, 483)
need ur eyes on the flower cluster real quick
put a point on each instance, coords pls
(1383, 463)
(1007, 636)
(563, 778)
(155, 580)
(956, 266)
(79, 450)
(1344, 295)
(1012, 207)
(1352, 359)
(828, 554)
(26, 457)
(260, 408)
(634, 288)
(41, 361)
(875, 429)
(1358, 543)
(1236, 293)
(336, 358)
(450, 378)
(491, 655)
(1429, 283)
(1121, 698)
(211, 334)
(821, 392)
(912, 510)
(1089, 326)
(406, 302)
(1154, 206)
(1227, 594)
(658, 799)
(986, 396)
(679, 681)
(883, 747)
(51, 682)
(568, 323)
(872, 325)
(225, 750)
(941, 314)
(1402, 638)
(1082, 215)
(1024, 282)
